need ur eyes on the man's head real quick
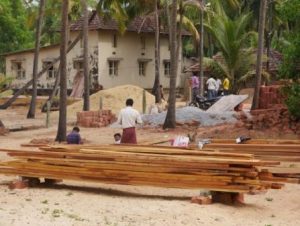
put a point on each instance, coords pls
(117, 136)
(76, 129)
(129, 102)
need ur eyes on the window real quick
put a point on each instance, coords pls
(115, 40)
(78, 64)
(167, 68)
(142, 68)
(81, 43)
(51, 72)
(113, 68)
(18, 70)
(143, 42)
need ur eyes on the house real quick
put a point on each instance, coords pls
(114, 59)
(275, 60)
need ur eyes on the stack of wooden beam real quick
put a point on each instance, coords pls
(285, 151)
(277, 152)
(144, 165)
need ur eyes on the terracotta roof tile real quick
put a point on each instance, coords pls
(138, 24)
(275, 60)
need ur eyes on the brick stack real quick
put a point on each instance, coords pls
(271, 97)
(275, 119)
(272, 113)
(95, 119)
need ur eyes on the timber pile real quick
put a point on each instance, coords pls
(274, 152)
(257, 141)
(285, 151)
(145, 165)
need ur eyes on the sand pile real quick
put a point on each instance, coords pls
(114, 99)
(2, 129)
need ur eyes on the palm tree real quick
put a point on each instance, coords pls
(156, 86)
(201, 53)
(262, 16)
(86, 102)
(31, 112)
(232, 39)
(62, 124)
(29, 83)
(170, 121)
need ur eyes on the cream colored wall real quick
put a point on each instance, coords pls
(77, 52)
(27, 64)
(27, 58)
(129, 49)
(100, 48)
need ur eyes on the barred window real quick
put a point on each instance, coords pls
(142, 68)
(113, 68)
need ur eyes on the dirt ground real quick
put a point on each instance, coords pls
(80, 203)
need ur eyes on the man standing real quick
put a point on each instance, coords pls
(226, 85)
(128, 118)
(211, 87)
(218, 89)
(74, 136)
(195, 86)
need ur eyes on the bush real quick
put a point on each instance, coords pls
(293, 100)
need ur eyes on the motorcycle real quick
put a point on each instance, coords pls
(203, 102)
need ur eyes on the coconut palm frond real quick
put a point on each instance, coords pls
(251, 74)
(247, 76)
(225, 70)
(193, 3)
(266, 75)
(190, 26)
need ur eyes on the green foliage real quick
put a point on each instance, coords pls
(291, 61)
(4, 82)
(215, 69)
(14, 32)
(289, 10)
(232, 39)
(293, 99)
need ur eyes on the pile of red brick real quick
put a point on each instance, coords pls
(276, 119)
(95, 119)
(271, 97)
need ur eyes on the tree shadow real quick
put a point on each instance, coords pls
(112, 191)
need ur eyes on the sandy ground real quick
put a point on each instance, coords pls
(76, 203)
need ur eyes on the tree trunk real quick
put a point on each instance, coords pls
(53, 92)
(262, 16)
(62, 123)
(202, 2)
(156, 86)
(29, 83)
(179, 38)
(31, 111)
(85, 28)
(269, 34)
(170, 121)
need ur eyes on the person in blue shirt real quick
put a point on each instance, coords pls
(74, 136)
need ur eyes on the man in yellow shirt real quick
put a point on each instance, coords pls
(226, 85)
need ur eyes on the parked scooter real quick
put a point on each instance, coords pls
(203, 102)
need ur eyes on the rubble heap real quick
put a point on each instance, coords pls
(277, 119)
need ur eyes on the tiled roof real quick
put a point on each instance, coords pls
(30, 50)
(274, 61)
(138, 24)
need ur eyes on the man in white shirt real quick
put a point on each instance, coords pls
(211, 87)
(218, 89)
(128, 118)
